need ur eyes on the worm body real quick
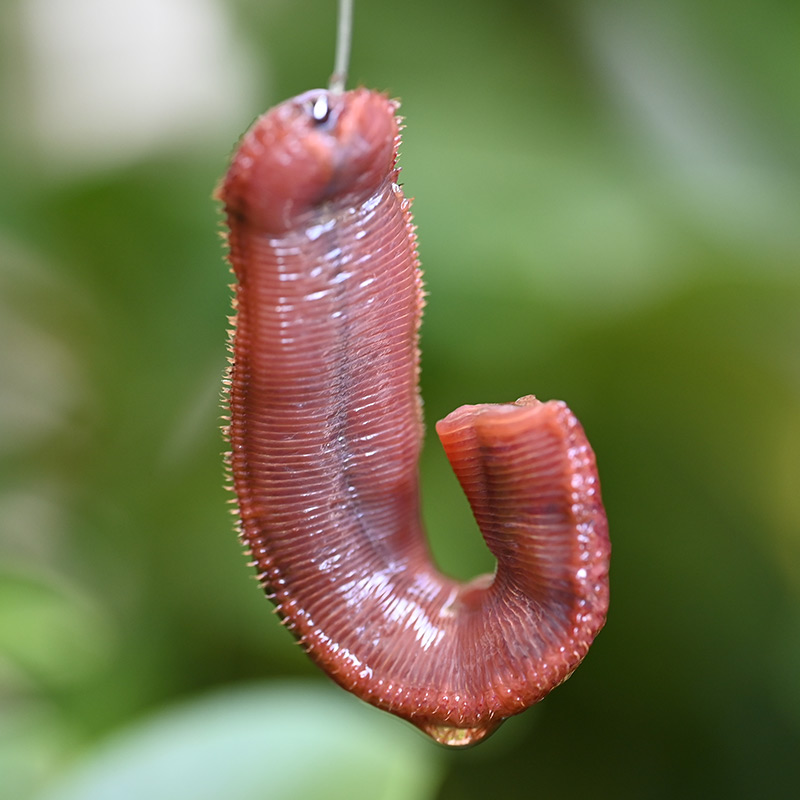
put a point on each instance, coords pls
(326, 429)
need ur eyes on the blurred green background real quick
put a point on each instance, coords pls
(608, 201)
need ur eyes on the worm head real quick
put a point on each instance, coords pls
(311, 149)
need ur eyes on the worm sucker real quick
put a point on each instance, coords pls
(326, 429)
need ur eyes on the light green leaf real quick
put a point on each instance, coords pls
(285, 741)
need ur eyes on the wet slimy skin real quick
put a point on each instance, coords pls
(325, 434)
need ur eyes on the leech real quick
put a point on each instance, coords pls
(325, 434)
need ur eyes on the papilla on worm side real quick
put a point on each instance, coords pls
(325, 433)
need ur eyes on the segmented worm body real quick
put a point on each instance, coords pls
(326, 429)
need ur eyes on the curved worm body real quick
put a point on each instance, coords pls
(326, 429)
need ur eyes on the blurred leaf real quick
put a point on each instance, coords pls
(290, 741)
(50, 630)
(33, 739)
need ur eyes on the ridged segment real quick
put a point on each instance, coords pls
(325, 436)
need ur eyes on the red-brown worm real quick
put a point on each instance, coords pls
(326, 429)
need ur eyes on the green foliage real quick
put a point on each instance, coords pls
(291, 740)
(607, 200)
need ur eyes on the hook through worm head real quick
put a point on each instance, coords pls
(321, 109)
